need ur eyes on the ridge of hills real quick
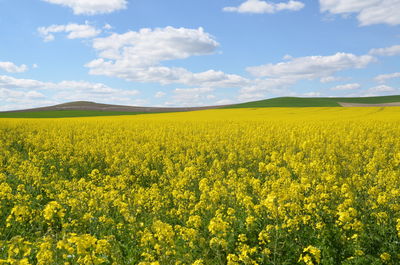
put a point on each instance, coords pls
(88, 108)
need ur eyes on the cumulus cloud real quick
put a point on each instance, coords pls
(312, 94)
(270, 85)
(276, 79)
(188, 97)
(25, 93)
(388, 51)
(10, 82)
(224, 102)
(352, 86)
(12, 98)
(368, 12)
(262, 88)
(149, 47)
(138, 57)
(20, 83)
(9, 94)
(383, 78)
(199, 90)
(160, 94)
(91, 7)
(18, 103)
(75, 31)
(382, 88)
(243, 97)
(13, 68)
(330, 79)
(312, 67)
(107, 27)
(265, 7)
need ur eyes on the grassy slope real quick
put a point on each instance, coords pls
(288, 102)
(65, 114)
(371, 100)
(273, 102)
(313, 102)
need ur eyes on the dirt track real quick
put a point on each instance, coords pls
(394, 104)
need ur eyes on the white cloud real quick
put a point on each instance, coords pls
(244, 97)
(369, 12)
(80, 86)
(312, 94)
(264, 7)
(23, 103)
(166, 75)
(271, 85)
(107, 27)
(224, 102)
(91, 7)
(116, 96)
(138, 56)
(24, 93)
(352, 86)
(281, 76)
(346, 6)
(160, 94)
(75, 31)
(330, 79)
(384, 77)
(312, 67)
(382, 88)
(12, 82)
(287, 57)
(263, 88)
(9, 95)
(388, 51)
(188, 97)
(150, 47)
(12, 68)
(11, 99)
(199, 90)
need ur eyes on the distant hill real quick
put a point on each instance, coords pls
(288, 102)
(87, 108)
(93, 106)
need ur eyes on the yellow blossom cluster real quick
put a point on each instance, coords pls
(244, 186)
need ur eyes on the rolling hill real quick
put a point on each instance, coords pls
(87, 108)
(316, 102)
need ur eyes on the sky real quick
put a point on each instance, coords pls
(195, 53)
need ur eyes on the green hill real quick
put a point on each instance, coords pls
(314, 102)
(89, 109)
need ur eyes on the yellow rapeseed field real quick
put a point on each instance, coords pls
(244, 186)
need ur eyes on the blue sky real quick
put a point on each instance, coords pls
(192, 53)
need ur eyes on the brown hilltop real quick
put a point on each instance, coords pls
(88, 105)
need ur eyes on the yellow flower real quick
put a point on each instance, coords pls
(194, 221)
(385, 257)
(45, 255)
(311, 255)
(359, 252)
(53, 209)
(198, 262)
